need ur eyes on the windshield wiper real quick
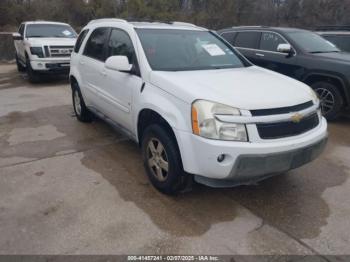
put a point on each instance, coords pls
(324, 52)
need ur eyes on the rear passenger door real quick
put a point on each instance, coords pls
(247, 43)
(269, 57)
(91, 65)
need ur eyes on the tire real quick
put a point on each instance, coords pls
(81, 111)
(32, 75)
(331, 99)
(20, 67)
(163, 161)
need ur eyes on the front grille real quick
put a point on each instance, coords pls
(60, 51)
(287, 129)
(281, 111)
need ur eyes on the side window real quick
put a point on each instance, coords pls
(247, 39)
(270, 41)
(95, 47)
(120, 44)
(229, 36)
(80, 40)
(21, 30)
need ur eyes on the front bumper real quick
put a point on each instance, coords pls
(246, 162)
(61, 66)
(253, 168)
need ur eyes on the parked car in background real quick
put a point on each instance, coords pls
(338, 35)
(44, 47)
(302, 55)
(194, 104)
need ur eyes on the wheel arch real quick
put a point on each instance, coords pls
(73, 80)
(312, 78)
(147, 117)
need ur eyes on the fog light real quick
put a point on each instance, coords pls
(40, 65)
(221, 158)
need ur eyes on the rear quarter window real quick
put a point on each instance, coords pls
(80, 40)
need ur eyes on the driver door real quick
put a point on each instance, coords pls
(117, 91)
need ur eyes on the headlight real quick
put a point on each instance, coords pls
(205, 124)
(37, 51)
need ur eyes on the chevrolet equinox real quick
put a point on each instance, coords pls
(197, 107)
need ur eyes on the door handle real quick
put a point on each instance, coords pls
(82, 62)
(103, 73)
(258, 54)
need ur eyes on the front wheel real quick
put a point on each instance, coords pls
(20, 67)
(331, 99)
(162, 161)
(32, 75)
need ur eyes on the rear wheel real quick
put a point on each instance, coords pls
(331, 99)
(81, 111)
(162, 161)
(20, 67)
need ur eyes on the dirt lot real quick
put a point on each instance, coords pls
(73, 188)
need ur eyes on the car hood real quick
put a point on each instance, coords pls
(341, 56)
(247, 88)
(52, 41)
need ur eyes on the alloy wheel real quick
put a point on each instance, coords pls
(327, 100)
(157, 159)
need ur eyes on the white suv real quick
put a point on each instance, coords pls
(194, 104)
(44, 47)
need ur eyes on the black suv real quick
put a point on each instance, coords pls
(338, 35)
(300, 54)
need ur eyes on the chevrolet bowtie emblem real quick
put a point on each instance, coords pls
(297, 118)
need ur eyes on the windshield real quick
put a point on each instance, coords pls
(50, 30)
(341, 41)
(312, 43)
(182, 50)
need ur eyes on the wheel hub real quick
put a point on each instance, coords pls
(77, 103)
(157, 159)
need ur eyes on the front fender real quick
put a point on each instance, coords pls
(175, 111)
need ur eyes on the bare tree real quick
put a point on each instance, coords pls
(211, 13)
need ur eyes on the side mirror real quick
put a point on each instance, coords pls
(17, 36)
(118, 63)
(285, 48)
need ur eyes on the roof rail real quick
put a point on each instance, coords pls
(251, 26)
(107, 20)
(132, 20)
(146, 20)
(183, 24)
